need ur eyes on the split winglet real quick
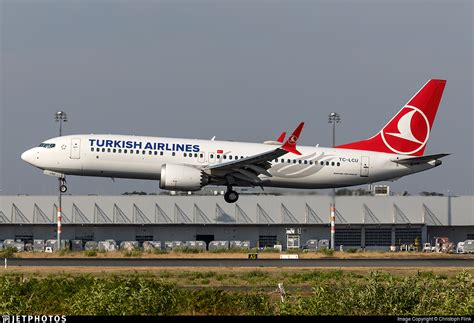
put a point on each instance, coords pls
(282, 137)
(290, 144)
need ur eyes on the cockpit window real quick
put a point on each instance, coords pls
(47, 146)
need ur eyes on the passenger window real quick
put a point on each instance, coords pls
(161, 153)
(299, 161)
(156, 153)
(305, 162)
(150, 152)
(311, 163)
(173, 154)
(92, 149)
(338, 164)
(282, 160)
(211, 155)
(294, 161)
(332, 164)
(137, 151)
(322, 163)
(143, 152)
(125, 151)
(103, 150)
(184, 154)
(201, 155)
(131, 151)
(115, 150)
(327, 163)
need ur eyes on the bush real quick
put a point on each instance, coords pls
(8, 252)
(352, 250)
(132, 253)
(327, 252)
(90, 253)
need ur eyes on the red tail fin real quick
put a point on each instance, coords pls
(407, 133)
(290, 143)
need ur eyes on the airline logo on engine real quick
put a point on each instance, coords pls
(131, 144)
(411, 126)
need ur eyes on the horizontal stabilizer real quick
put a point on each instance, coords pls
(419, 160)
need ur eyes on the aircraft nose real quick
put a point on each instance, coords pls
(28, 156)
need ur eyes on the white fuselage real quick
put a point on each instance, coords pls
(121, 156)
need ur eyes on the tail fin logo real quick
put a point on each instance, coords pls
(292, 140)
(408, 132)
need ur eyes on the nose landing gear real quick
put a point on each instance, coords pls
(230, 195)
(62, 185)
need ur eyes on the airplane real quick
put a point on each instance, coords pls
(190, 164)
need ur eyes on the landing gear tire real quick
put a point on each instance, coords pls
(231, 196)
(63, 188)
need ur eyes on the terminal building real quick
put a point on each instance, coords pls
(370, 222)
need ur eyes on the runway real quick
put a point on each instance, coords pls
(170, 262)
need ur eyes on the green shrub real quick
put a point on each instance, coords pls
(133, 253)
(91, 252)
(8, 252)
(327, 252)
(352, 250)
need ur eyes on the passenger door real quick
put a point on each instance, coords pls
(75, 148)
(364, 166)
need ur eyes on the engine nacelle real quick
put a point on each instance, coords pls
(181, 178)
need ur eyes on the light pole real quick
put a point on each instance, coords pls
(333, 118)
(60, 117)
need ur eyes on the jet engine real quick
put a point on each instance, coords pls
(182, 178)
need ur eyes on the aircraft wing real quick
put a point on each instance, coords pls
(247, 169)
(419, 160)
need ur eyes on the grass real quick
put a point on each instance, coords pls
(90, 253)
(327, 252)
(309, 292)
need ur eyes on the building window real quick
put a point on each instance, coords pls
(348, 237)
(407, 235)
(267, 241)
(378, 237)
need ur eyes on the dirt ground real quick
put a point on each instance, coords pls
(449, 271)
(261, 255)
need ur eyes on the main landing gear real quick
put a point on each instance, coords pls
(62, 185)
(230, 195)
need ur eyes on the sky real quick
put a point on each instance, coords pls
(237, 70)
